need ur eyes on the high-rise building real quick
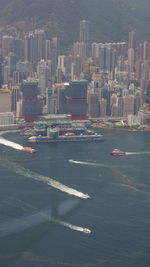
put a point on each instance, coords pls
(29, 53)
(120, 106)
(55, 51)
(146, 50)
(47, 49)
(73, 71)
(145, 70)
(95, 50)
(77, 66)
(39, 44)
(16, 78)
(73, 99)
(84, 31)
(5, 99)
(49, 96)
(102, 54)
(128, 105)
(11, 63)
(84, 34)
(110, 59)
(131, 51)
(120, 48)
(18, 49)
(69, 60)
(138, 102)
(138, 69)
(93, 105)
(131, 59)
(15, 97)
(31, 105)
(132, 40)
(107, 58)
(44, 75)
(34, 46)
(140, 51)
(62, 63)
(79, 49)
(103, 107)
(6, 74)
(7, 44)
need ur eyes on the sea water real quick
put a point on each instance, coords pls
(73, 204)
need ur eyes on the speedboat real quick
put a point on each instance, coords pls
(29, 149)
(117, 152)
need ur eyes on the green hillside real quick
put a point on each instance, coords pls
(110, 20)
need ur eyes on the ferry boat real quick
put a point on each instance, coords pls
(117, 152)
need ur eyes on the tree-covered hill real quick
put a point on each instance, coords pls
(110, 20)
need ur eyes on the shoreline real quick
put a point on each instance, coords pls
(97, 126)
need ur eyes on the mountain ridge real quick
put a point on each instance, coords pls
(110, 20)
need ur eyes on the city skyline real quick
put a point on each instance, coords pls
(117, 73)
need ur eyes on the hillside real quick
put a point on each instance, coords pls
(110, 20)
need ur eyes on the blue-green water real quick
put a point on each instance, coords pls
(46, 215)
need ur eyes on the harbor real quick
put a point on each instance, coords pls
(63, 138)
(66, 134)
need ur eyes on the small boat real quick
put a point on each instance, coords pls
(117, 152)
(29, 149)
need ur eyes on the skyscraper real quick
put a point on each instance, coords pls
(132, 40)
(55, 51)
(39, 44)
(80, 49)
(47, 49)
(131, 50)
(131, 59)
(7, 44)
(31, 105)
(43, 74)
(74, 99)
(18, 49)
(84, 31)
(15, 97)
(5, 99)
(102, 56)
(84, 34)
(146, 50)
(11, 63)
(29, 47)
(93, 105)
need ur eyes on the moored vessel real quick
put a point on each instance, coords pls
(64, 138)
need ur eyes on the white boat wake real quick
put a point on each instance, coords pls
(90, 163)
(137, 153)
(83, 162)
(49, 181)
(5, 142)
(72, 226)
